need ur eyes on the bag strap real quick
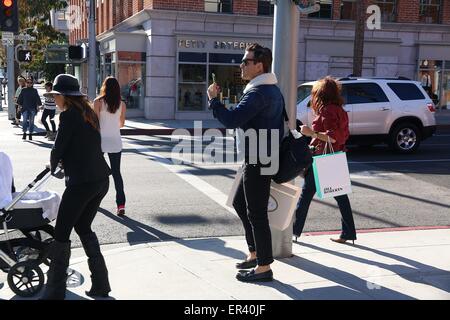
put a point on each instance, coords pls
(329, 145)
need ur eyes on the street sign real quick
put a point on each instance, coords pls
(24, 37)
(24, 56)
(7, 38)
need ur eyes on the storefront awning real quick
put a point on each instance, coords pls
(135, 41)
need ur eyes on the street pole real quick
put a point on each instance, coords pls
(92, 72)
(285, 50)
(11, 82)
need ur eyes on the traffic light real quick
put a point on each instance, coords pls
(76, 53)
(25, 56)
(9, 16)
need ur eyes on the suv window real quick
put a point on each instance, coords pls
(363, 93)
(406, 91)
(303, 92)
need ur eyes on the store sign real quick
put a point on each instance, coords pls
(193, 44)
(221, 45)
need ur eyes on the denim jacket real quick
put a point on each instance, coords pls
(259, 108)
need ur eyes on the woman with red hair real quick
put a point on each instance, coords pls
(329, 126)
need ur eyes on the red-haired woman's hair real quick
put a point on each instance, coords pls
(326, 91)
(110, 92)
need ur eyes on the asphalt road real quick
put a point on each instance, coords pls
(166, 201)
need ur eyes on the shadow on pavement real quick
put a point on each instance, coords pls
(413, 273)
(351, 287)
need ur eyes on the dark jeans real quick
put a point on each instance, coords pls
(48, 113)
(114, 159)
(78, 208)
(250, 202)
(309, 189)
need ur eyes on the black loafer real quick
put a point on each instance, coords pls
(246, 264)
(251, 276)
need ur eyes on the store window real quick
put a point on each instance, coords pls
(222, 6)
(431, 76)
(388, 10)
(131, 77)
(325, 12)
(195, 73)
(265, 8)
(430, 11)
(348, 9)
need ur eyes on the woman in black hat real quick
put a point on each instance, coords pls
(78, 149)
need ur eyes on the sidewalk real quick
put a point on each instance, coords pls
(395, 265)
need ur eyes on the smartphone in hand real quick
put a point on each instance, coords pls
(214, 78)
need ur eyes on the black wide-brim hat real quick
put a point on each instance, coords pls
(65, 85)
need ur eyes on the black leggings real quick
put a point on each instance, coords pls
(51, 114)
(78, 208)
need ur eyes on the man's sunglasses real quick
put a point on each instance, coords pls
(29, 82)
(245, 61)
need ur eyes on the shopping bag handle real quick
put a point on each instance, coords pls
(329, 145)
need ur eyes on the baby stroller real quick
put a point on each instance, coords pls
(30, 213)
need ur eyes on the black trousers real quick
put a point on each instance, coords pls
(308, 192)
(51, 114)
(114, 159)
(250, 202)
(78, 208)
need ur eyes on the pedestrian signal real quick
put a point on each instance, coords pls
(24, 56)
(75, 52)
(9, 16)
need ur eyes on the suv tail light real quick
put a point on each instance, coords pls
(431, 107)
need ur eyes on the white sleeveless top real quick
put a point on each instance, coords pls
(110, 129)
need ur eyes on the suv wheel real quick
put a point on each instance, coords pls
(405, 138)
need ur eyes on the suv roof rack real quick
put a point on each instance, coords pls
(351, 77)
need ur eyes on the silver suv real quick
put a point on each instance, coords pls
(396, 111)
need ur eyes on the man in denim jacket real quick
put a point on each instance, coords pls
(260, 115)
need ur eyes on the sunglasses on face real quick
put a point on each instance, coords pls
(29, 82)
(245, 61)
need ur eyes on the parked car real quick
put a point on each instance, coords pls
(396, 111)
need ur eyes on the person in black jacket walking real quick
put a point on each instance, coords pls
(28, 102)
(260, 111)
(78, 150)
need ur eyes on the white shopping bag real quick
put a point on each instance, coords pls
(282, 201)
(331, 175)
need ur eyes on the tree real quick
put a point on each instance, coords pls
(358, 49)
(34, 20)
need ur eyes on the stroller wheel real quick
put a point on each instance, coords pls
(25, 279)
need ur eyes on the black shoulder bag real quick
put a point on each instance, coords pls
(295, 155)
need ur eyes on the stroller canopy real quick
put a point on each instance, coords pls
(6, 178)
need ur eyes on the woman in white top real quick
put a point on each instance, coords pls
(111, 113)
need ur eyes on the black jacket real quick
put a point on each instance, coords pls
(78, 146)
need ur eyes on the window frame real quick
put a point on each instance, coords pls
(394, 13)
(219, 3)
(312, 15)
(271, 8)
(422, 11)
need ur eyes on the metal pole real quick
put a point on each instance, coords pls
(92, 72)
(11, 83)
(285, 49)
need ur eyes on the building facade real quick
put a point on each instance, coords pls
(165, 52)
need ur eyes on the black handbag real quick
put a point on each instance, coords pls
(295, 156)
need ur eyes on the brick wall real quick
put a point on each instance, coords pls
(408, 11)
(446, 12)
(186, 5)
(248, 7)
(336, 9)
(138, 5)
